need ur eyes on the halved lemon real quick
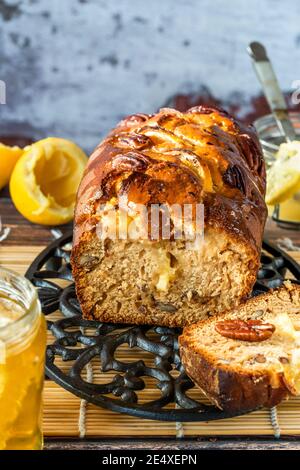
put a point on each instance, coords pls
(45, 180)
(8, 158)
(283, 178)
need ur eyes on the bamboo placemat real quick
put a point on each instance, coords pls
(61, 408)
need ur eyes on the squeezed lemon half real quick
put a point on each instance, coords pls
(45, 179)
(283, 178)
(8, 158)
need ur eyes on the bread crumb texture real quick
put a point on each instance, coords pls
(161, 282)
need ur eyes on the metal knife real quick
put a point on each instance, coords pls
(271, 89)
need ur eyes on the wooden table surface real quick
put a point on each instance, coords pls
(24, 233)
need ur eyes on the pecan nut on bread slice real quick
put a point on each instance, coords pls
(249, 357)
(173, 159)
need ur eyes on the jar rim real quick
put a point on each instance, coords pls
(270, 117)
(22, 287)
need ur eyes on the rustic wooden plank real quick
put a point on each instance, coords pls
(273, 233)
(168, 444)
(22, 231)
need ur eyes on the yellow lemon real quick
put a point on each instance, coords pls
(8, 158)
(283, 178)
(45, 179)
(281, 185)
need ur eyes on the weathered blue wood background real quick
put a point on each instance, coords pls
(73, 68)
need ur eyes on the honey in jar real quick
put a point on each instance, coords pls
(22, 352)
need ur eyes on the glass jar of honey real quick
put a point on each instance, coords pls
(22, 354)
(287, 213)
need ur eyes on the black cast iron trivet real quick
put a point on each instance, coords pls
(79, 341)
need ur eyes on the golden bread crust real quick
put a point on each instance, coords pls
(201, 156)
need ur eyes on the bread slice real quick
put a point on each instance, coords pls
(239, 374)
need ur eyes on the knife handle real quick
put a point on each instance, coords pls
(271, 88)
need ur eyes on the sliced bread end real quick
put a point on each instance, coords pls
(241, 375)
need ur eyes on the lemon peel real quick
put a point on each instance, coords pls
(44, 181)
(283, 178)
(8, 158)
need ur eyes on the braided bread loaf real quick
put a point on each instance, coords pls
(199, 157)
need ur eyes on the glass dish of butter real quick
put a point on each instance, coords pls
(283, 171)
